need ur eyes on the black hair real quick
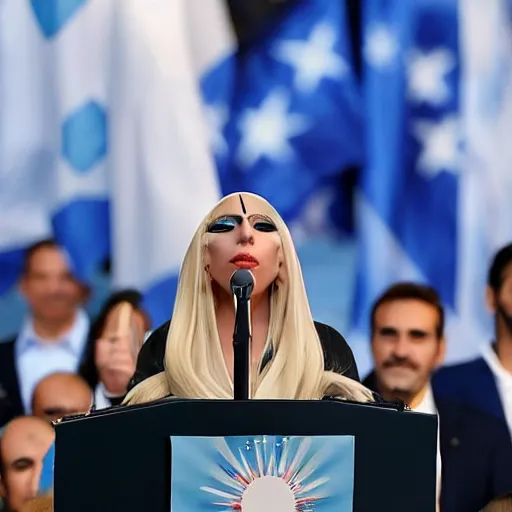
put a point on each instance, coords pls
(87, 367)
(502, 259)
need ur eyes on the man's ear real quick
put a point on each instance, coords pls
(490, 299)
(86, 293)
(441, 353)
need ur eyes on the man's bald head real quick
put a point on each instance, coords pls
(23, 445)
(61, 394)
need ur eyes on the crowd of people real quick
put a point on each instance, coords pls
(63, 363)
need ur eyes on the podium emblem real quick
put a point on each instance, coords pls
(262, 473)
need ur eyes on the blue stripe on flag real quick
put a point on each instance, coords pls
(159, 300)
(83, 229)
(410, 181)
(46, 478)
(294, 118)
(11, 263)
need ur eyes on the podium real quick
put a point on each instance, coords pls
(221, 455)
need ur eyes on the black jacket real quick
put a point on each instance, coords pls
(338, 355)
(10, 395)
(476, 455)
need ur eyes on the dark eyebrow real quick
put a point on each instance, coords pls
(52, 411)
(415, 333)
(22, 461)
(244, 211)
(418, 333)
(388, 330)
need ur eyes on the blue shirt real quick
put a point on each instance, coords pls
(37, 358)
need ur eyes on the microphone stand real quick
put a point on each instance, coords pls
(242, 284)
(242, 338)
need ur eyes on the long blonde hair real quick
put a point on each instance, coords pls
(194, 363)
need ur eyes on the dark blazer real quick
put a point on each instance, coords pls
(338, 355)
(471, 383)
(476, 455)
(10, 395)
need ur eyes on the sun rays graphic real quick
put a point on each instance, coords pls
(270, 474)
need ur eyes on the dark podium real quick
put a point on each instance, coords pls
(124, 458)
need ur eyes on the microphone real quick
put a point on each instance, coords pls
(242, 285)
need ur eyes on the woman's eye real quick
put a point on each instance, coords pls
(266, 227)
(220, 227)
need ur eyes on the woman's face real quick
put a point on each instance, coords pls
(117, 348)
(242, 236)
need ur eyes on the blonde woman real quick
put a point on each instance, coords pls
(293, 357)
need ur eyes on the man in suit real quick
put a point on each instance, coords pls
(486, 381)
(54, 333)
(407, 341)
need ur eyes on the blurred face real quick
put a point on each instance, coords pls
(61, 395)
(405, 348)
(24, 444)
(117, 349)
(49, 287)
(242, 236)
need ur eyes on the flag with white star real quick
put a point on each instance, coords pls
(408, 188)
(293, 119)
(194, 112)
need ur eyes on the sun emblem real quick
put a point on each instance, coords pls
(262, 473)
(269, 474)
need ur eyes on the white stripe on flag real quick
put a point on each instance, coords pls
(164, 179)
(26, 147)
(52, 172)
(82, 78)
(486, 177)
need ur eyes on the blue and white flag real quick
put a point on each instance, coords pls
(409, 187)
(146, 112)
(433, 202)
(194, 116)
(485, 206)
(164, 179)
(53, 86)
(294, 119)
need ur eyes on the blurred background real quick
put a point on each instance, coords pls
(380, 130)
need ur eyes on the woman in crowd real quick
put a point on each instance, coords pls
(114, 342)
(293, 357)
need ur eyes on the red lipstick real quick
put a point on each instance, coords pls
(244, 260)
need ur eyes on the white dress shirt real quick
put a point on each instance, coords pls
(102, 397)
(37, 358)
(503, 382)
(428, 406)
